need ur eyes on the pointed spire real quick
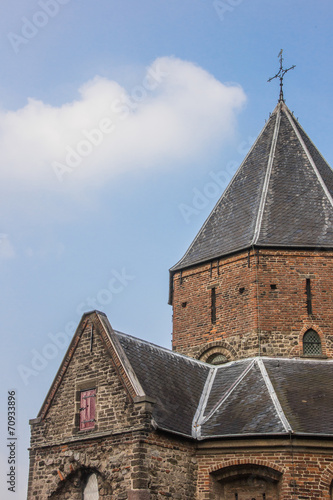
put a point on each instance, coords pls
(281, 196)
(280, 74)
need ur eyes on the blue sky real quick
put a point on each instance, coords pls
(120, 125)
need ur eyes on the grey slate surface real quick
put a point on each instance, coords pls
(224, 380)
(296, 209)
(247, 410)
(238, 401)
(305, 391)
(175, 381)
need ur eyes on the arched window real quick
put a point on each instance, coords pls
(311, 344)
(246, 482)
(90, 491)
(216, 359)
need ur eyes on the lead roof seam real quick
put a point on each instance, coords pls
(228, 393)
(196, 425)
(267, 179)
(273, 396)
(218, 202)
(307, 152)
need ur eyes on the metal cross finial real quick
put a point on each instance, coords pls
(280, 74)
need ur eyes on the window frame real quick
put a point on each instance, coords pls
(87, 412)
(307, 344)
(80, 387)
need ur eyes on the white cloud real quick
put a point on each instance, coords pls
(175, 112)
(6, 248)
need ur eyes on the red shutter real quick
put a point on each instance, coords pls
(87, 409)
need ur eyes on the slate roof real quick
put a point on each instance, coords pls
(281, 195)
(174, 381)
(257, 396)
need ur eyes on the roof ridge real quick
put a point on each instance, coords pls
(162, 348)
(273, 396)
(227, 393)
(311, 160)
(267, 176)
(122, 357)
(238, 171)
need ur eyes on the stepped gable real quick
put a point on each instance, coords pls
(281, 195)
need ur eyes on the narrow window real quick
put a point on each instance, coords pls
(213, 305)
(87, 409)
(311, 344)
(308, 296)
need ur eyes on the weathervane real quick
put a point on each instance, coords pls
(280, 74)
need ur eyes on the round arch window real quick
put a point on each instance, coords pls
(216, 359)
(311, 344)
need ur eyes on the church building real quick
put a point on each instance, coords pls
(241, 408)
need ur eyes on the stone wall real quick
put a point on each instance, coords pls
(90, 366)
(130, 459)
(133, 466)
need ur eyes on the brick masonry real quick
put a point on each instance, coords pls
(261, 304)
(300, 469)
(134, 461)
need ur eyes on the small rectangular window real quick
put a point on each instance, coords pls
(213, 305)
(87, 409)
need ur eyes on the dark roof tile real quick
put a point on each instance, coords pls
(305, 391)
(260, 396)
(280, 195)
(175, 381)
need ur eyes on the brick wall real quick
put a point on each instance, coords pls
(261, 304)
(304, 470)
(234, 283)
(283, 312)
